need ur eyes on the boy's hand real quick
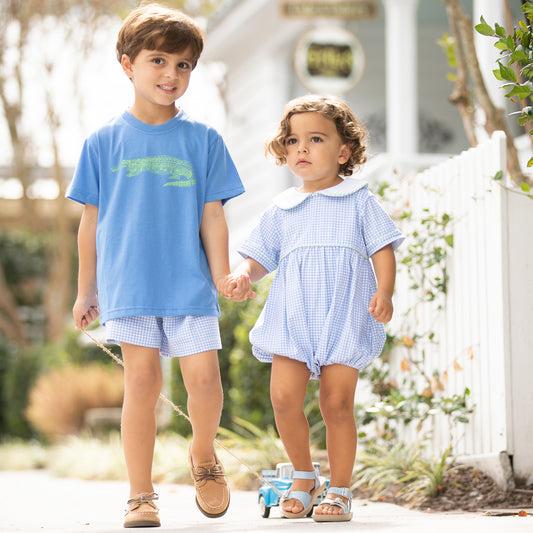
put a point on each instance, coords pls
(236, 288)
(381, 307)
(85, 311)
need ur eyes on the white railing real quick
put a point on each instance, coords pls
(483, 336)
(469, 346)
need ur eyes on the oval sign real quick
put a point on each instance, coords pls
(329, 59)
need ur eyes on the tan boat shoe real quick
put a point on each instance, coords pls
(212, 491)
(142, 511)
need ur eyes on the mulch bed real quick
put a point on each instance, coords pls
(464, 489)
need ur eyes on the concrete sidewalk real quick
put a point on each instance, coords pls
(35, 501)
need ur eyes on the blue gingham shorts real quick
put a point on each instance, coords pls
(175, 336)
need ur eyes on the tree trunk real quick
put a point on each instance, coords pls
(495, 117)
(58, 285)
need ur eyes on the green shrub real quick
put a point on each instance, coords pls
(244, 379)
(23, 260)
(22, 366)
(3, 368)
(249, 392)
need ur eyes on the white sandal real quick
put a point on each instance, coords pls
(346, 515)
(307, 499)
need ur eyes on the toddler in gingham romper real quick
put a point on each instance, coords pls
(332, 246)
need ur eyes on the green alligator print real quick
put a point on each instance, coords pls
(176, 170)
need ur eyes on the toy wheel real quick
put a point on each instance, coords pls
(263, 509)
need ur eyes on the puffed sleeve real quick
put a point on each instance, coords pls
(264, 242)
(378, 228)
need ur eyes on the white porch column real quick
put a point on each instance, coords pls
(401, 76)
(486, 52)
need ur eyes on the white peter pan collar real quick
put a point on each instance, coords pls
(292, 197)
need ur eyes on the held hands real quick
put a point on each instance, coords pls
(85, 311)
(381, 307)
(236, 287)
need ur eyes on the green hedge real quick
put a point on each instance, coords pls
(244, 379)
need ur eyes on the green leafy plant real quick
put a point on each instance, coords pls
(403, 470)
(379, 467)
(516, 50)
(427, 478)
(427, 253)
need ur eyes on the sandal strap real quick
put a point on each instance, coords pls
(338, 503)
(303, 474)
(300, 495)
(303, 496)
(345, 492)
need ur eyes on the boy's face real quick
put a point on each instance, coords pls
(159, 79)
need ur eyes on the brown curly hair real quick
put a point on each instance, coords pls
(352, 132)
(154, 27)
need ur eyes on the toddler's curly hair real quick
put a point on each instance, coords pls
(351, 131)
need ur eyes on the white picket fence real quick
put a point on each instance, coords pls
(474, 332)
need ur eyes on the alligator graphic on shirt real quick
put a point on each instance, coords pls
(179, 172)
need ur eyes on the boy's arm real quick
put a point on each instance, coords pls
(214, 235)
(384, 262)
(86, 306)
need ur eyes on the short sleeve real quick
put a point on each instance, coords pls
(223, 180)
(378, 228)
(84, 187)
(264, 243)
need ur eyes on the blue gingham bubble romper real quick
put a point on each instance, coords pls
(321, 243)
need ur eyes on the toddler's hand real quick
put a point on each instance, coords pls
(236, 288)
(381, 307)
(243, 289)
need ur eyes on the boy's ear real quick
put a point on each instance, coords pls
(345, 154)
(126, 65)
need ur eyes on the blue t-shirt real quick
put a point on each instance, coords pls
(150, 184)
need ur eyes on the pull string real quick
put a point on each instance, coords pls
(180, 412)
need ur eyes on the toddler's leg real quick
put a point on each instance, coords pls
(142, 385)
(337, 392)
(288, 385)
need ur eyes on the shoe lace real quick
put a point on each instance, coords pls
(205, 473)
(135, 503)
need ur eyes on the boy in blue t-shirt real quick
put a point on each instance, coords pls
(153, 247)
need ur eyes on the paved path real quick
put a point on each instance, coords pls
(35, 501)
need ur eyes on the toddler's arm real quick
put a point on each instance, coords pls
(384, 262)
(238, 285)
(86, 306)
